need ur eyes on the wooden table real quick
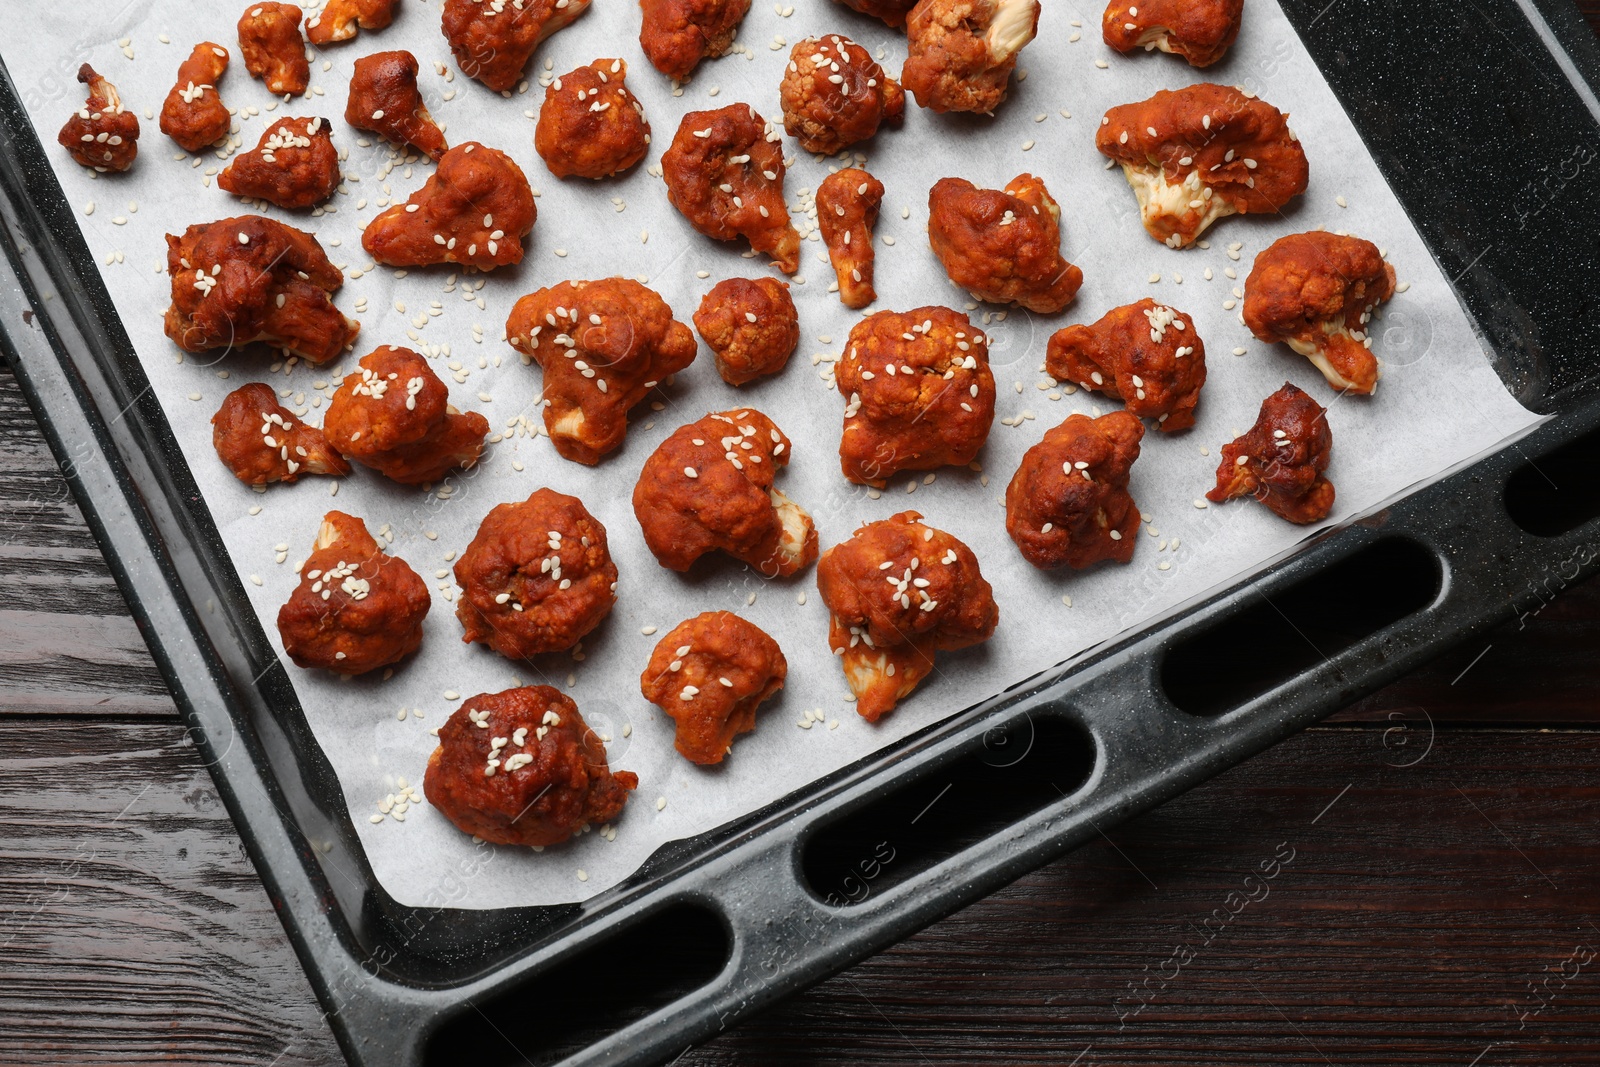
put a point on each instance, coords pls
(1435, 900)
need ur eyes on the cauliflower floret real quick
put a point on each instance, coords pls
(1200, 31)
(919, 393)
(709, 675)
(1281, 459)
(393, 414)
(1068, 504)
(724, 173)
(602, 345)
(1147, 355)
(709, 488)
(340, 20)
(835, 95)
(261, 441)
(751, 325)
(102, 134)
(273, 50)
(493, 40)
(1316, 291)
(294, 165)
(193, 114)
(1202, 153)
(897, 592)
(677, 34)
(475, 210)
(590, 125)
(847, 210)
(384, 99)
(1005, 247)
(962, 52)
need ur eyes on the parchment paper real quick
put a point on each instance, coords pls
(1439, 402)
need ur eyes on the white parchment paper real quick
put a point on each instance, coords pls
(1439, 402)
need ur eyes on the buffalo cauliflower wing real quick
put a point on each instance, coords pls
(1004, 247)
(1068, 503)
(341, 20)
(918, 393)
(590, 126)
(293, 166)
(272, 48)
(1316, 292)
(835, 95)
(963, 51)
(521, 767)
(708, 488)
(261, 441)
(709, 675)
(193, 114)
(1200, 154)
(602, 345)
(475, 210)
(102, 134)
(847, 210)
(1147, 355)
(536, 578)
(750, 325)
(356, 609)
(246, 279)
(1200, 31)
(892, 12)
(494, 39)
(677, 34)
(724, 172)
(897, 592)
(384, 98)
(1281, 459)
(393, 414)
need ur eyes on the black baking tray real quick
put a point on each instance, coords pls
(1483, 117)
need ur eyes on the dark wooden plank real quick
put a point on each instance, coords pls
(69, 645)
(133, 928)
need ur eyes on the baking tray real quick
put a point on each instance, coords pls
(1484, 119)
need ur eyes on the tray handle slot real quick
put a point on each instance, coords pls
(1559, 491)
(1028, 763)
(602, 988)
(1277, 636)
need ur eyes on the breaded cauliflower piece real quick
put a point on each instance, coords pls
(1316, 292)
(393, 414)
(963, 51)
(892, 12)
(835, 95)
(708, 488)
(709, 675)
(1200, 31)
(751, 326)
(1147, 355)
(590, 126)
(1200, 154)
(1280, 460)
(273, 50)
(341, 20)
(918, 393)
(1068, 504)
(261, 441)
(537, 577)
(475, 211)
(246, 279)
(384, 98)
(847, 210)
(356, 609)
(193, 114)
(294, 165)
(1005, 247)
(493, 39)
(724, 172)
(521, 767)
(897, 592)
(677, 34)
(102, 134)
(603, 345)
